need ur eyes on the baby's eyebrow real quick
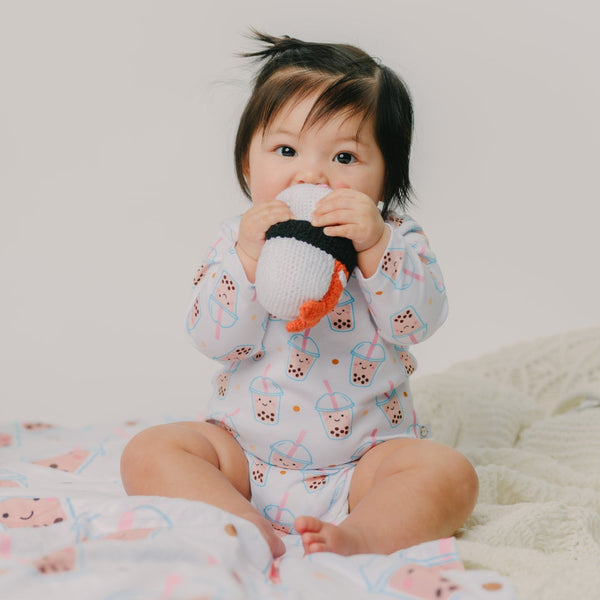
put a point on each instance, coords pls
(354, 138)
(350, 139)
(281, 131)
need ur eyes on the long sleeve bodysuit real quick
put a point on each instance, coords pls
(306, 406)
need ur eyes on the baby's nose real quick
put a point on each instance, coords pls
(311, 175)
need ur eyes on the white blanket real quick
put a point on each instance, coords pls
(528, 417)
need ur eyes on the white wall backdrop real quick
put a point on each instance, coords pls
(116, 130)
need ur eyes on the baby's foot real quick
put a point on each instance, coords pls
(275, 544)
(318, 536)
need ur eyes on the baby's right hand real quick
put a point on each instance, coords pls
(253, 227)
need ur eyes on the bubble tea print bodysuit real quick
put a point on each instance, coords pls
(306, 406)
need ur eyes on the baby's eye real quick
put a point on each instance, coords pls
(345, 158)
(287, 151)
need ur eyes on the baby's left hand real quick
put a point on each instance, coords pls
(350, 214)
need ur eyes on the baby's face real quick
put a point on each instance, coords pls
(336, 151)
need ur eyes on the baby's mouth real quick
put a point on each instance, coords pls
(27, 518)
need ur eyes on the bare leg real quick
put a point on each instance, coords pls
(196, 461)
(403, 492)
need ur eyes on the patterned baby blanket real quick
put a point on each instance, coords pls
(528, 417)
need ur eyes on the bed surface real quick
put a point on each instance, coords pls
(527, 416)
(532, 429)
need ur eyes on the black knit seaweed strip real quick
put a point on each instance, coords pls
(340, 248)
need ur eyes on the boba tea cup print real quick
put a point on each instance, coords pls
(336, 411)
(367, 357)
(303, 352)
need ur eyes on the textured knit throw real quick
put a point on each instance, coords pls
(301, 272)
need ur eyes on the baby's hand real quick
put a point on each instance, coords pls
(353, 215)
(350, 214)
(253, 227)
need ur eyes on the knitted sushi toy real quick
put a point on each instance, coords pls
(301, 272)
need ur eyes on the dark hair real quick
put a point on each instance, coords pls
(349, 81)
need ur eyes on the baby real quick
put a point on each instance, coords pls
(315, 432)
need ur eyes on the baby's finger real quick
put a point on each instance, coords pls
(272, 213)
(330, 203)
(278, 216)
(337, 216)
(346, 231)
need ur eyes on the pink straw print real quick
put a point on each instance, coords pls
(331, 394)
(219, 317)
(172, 582)
(126, 521)
(413, 274)
(372, 345)
(281, 507)
(391, 392)
(297, 444)
(4, 546)
(231, 414)
(305, 338)
(264, 381)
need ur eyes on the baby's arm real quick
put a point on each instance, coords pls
(224, 320)
(406, 292)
